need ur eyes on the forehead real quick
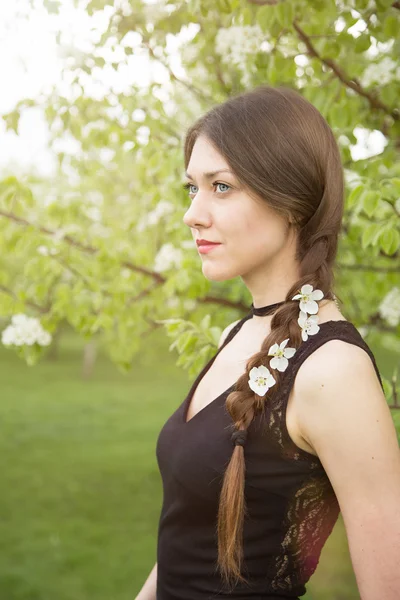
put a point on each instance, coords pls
(205, 160)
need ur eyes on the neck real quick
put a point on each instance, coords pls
(265, 310)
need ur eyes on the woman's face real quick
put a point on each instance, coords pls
(253, 238)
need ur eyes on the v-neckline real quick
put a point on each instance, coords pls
(208, 365)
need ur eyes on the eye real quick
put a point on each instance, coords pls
(225, 184)
(187, 186)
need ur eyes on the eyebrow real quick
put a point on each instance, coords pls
(210, 174)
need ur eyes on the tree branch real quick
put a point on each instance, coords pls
(374, 102)
(80, 246)
(369, 268)
(41, 309)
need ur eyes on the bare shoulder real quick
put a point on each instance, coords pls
(333, 358)
(226, 331)
(334, 374)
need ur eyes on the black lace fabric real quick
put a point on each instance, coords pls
(310, 517)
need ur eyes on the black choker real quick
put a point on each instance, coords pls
(265, 310)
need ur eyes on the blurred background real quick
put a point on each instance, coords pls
(102, 297)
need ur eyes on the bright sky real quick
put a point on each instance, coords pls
(31, 63)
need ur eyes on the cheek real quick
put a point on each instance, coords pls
(259, 231)
(261, 237)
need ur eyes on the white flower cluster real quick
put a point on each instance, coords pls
(261, 379)
(45, 251)
(389, 308)
(168, 257)
(25, 331)
(235, 44)
(383, 72)
(189, 304)
(153, 217)
(93, 213)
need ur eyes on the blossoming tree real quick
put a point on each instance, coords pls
(103, 246)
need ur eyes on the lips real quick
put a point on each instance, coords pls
(206, 243)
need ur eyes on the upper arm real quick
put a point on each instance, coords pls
(225, 332)
(345, 417)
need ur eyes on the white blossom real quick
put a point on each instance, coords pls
(382, 72)
(25, 330)
(237, 43)
(45, 251)
(168, 257)
(389, 308)
(308, 299)
(93, 213)
(281, 355)
(153, 217)
(189, 244)
(97, 229)
(189, 304)
(261, 380)
(172, 302)
(308, 325)
(94, 197)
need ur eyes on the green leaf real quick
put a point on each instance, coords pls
(215, 334)
(362, 43)
(265, 17)
(355, 195)
(247, 16)
(185, 341)
(390, 241)
(284, 13)
(395, 183)
(370, 201)
(205, 322)
(391, 26)
(387, 388)
(370, 235)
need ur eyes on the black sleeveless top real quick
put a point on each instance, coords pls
(292, 507)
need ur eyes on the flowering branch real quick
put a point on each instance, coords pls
(199, 93)
(72, 242)
(374, 102)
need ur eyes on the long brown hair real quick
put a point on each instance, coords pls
(284, 153)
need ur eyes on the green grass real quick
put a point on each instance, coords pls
(80, 488)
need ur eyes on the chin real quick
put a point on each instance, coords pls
(218, 275)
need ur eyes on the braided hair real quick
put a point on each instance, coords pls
(283, 150)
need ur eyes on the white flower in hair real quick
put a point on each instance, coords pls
(308, 298)
(261, 380)
(281, 355)
(308, 325)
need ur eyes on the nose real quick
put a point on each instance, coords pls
(197, 215)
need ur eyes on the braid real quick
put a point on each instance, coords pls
(244, 403)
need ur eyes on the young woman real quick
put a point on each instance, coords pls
(287, 424)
